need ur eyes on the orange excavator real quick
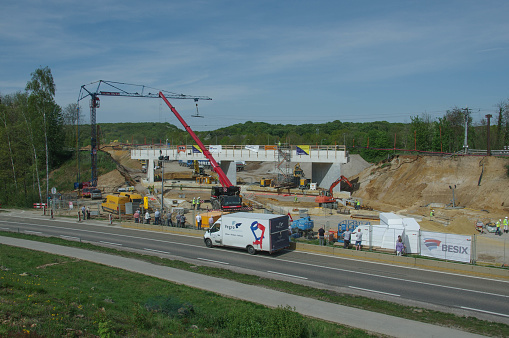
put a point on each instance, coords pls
(326, 198)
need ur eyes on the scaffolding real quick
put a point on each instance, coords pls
(283, 166)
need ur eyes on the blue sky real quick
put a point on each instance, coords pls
(273, 61)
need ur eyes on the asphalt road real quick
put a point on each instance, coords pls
(482, 297)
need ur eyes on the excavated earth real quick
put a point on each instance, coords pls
(414, 185)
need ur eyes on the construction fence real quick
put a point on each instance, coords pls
(483, 248)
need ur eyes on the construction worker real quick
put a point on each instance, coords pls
(198, 202)
(506, 224)
(431, 214)
(498, 227)
(296, 200)
(194, 203)
(357, 205)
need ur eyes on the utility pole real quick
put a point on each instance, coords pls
(488, 149)
(465, 142)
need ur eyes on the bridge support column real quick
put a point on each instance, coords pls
(324, 174)
(230, 169)
(150, 171)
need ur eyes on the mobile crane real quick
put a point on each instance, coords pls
(226, 197)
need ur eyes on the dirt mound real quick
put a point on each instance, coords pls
(111, 181)
(415, 184)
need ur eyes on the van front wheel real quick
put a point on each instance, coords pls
(208, 243)
(251, 250)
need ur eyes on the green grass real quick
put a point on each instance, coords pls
(469, 324)
(44, 295)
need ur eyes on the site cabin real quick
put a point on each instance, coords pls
(251, 231)
(115, 203)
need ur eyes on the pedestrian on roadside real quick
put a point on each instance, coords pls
(321, 236)
(358, 239)
(400, 247)
(88, 212)
(170, 220)
(211, 221)
(347, 235)
(83, 211)
(147, 217)
(506, 224)
(137, 216)
(178, 218)
(183, 221)
(198, 221)
(157, 217)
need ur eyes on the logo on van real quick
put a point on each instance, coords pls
(255, 227)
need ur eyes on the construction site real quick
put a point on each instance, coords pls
(451, 194)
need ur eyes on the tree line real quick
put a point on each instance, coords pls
(38, 136)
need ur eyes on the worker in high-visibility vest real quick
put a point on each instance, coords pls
(194, 202)
(498, 227)
(431, 214)
(506, 224)
(357, 205)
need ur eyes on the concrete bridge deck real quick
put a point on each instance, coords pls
(326, 160)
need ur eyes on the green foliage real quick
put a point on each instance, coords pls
(52, 296)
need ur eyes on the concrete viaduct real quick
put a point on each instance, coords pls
(325, 161)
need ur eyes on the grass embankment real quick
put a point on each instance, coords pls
(51, 296)
(469, 324)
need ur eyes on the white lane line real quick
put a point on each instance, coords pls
(375, 291)
(160, 251)
(399, 279)
(110, 243)
(4, 228)
(32, 232)
(213, 261)
(484, 311)
(285, 274)
(69, 237)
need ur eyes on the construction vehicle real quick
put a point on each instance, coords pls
(198, 169)
(115, 204)
(204, 180)
(136, 199)
(303, 226)
(304, 183)
(226, 197)
(265, 182)
(326, 197)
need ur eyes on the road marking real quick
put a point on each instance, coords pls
(4, 228)
(484, 311)
(398, 279)
(213, 261)
(69, 237)
(369, 290)
(160, 251)
(118, 244)
(32, 232)
(285, 274)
